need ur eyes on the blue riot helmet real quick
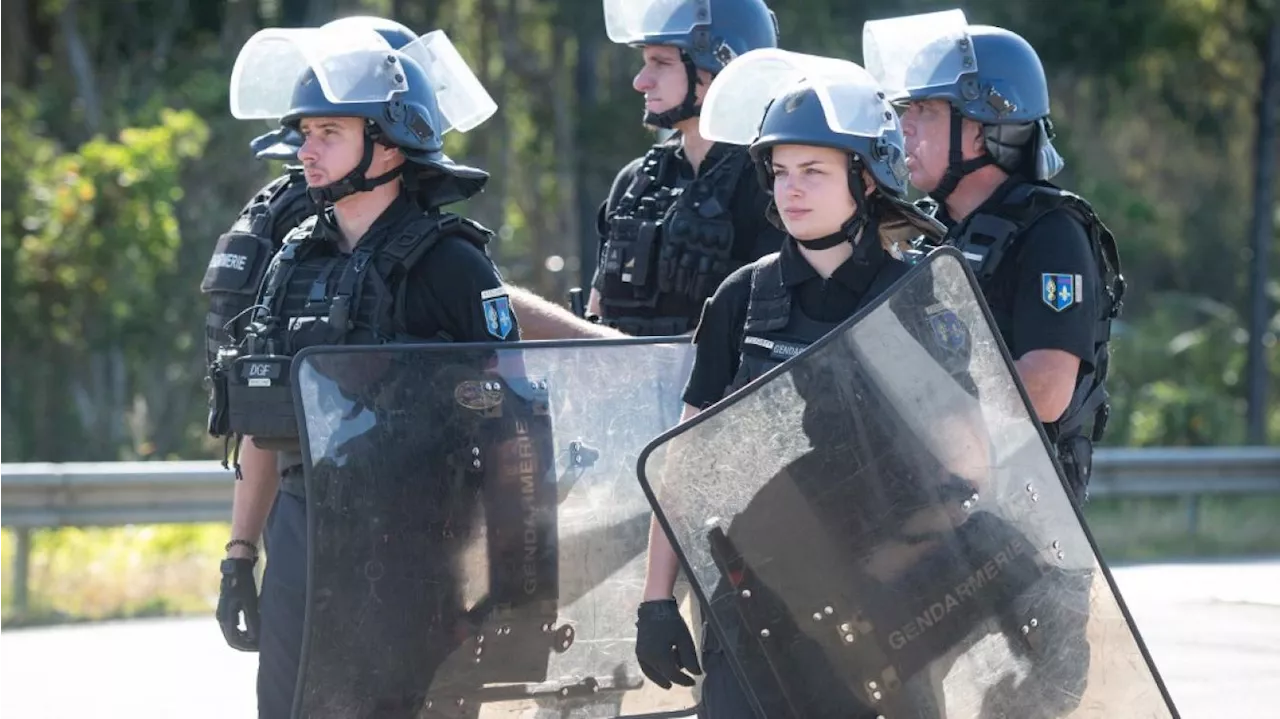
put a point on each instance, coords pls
(799, 117)
(349, 72)
(709, 34)
(283, 143)
(775, 97)
(987, 74)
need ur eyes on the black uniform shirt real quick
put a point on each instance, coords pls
(450, 290)
(1026, 291)
(720, 331)
(753, 235)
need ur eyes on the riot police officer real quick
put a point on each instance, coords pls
(679, 219)
(241, 255)
(829, 153)
(979, 143)
(381, 262)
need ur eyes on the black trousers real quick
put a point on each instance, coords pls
(282, 603)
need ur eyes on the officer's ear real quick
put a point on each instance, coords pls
(869, 182)
(972, 142)
(387, 156)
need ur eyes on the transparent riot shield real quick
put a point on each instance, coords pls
(477, 536)
(879, 530)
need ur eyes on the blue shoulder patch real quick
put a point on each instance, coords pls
(497, 312)
(949, 330)
(1059, 290)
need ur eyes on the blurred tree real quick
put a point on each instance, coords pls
(121, 165)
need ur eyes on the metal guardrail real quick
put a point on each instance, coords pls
(117, 493)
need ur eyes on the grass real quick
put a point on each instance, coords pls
(1150, 529)
(109, 573)
(95, 573)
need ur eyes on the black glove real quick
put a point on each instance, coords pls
(238, 595)
(664, 645)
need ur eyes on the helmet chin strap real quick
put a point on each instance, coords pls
(957, 166)
(354, 181)
(685, 110)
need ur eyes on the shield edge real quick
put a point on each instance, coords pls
(426, 349)
(933, 257)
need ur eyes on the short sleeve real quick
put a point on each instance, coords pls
(1055, 301)
(459, 284)
(718, 340)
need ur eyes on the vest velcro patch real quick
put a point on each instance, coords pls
(236, 264)
(1059, 290)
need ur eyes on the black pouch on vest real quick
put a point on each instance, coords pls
(219, 401)
(261, 401)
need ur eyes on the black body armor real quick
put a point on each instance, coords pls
(668, 247)
(777, 329)
(988, 239)
(315, 295)
(240, 259)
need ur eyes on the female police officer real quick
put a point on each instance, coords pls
(380, 263)
(830, 152)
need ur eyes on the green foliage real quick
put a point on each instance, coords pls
(1154, 529)
(102, 573)
(122, 168)
(96, 228)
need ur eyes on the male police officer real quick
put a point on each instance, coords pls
(978, 141)
(241, 256)
(682, 217)
(381, 263)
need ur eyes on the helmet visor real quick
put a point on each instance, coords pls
(916, 52)
(632, 22)
(463, 101)
(351, 66)
(736, 102)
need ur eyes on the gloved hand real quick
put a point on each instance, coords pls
(664, 645)
(238, 595)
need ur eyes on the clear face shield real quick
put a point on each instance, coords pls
(917, 52)
(350, 66)
(735, 105)
(353, 65)
(632, 22)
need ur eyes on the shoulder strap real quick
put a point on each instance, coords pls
(653, 170)
(987, 237)
(404, 250)
(276, 209)
(289, 205)
(298, 245)
(769, 304)
(722, 178)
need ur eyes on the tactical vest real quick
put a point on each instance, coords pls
(989, 238)
(234, 275)
(315, 295)
(667, 248)
(770, 311)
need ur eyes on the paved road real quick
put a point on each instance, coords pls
(1213, 630)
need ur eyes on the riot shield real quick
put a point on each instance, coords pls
(879, 530)
(477, 536)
